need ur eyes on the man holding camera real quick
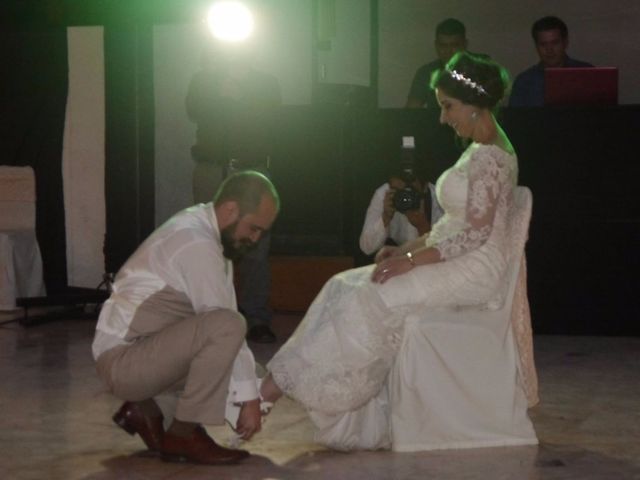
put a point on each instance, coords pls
(400, 210)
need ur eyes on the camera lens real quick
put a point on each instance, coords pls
(407, 199)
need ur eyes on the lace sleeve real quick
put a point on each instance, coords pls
(487, 176)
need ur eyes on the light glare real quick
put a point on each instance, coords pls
(230, 21)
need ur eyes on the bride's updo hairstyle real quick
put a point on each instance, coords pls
(472, 80)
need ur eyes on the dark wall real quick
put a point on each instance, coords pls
(307, 168)
(585, 231)
(327, 162)
(129, 140)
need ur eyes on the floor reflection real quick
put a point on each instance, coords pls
(56, 421)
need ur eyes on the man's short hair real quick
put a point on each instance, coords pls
(451, 26)
(549, 23)
(247, 189)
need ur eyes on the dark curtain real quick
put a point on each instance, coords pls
(129, 139)
(33, 95)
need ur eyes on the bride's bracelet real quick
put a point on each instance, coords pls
(409, 256)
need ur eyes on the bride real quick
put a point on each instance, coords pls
(339, 357)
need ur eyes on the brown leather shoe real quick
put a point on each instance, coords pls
(132, 420)
(198, 448)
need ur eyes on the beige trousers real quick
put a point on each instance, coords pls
(191, 359)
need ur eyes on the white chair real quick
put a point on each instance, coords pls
(20, 260)
(467, 378)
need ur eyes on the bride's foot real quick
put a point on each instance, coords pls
(269, 391)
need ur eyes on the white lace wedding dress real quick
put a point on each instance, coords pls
(339, 357)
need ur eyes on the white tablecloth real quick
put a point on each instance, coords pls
(20, 267)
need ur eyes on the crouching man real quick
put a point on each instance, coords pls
(171, 330)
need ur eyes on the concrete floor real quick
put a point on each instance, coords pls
(55, 420)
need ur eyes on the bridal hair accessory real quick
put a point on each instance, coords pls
(467, 81)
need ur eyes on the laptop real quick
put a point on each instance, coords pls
(581, 86)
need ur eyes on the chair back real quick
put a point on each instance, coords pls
(465, 377)
(520, 311)
(17, 198)
(519, 219)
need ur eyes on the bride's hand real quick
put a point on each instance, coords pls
(386, 252)
(391, 267)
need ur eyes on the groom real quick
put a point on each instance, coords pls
(171, 328)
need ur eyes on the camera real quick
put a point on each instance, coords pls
(407, 198)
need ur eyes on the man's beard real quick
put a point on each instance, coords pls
(232, 249)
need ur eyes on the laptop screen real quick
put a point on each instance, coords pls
(581, 86)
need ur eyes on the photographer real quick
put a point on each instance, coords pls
(400, 210)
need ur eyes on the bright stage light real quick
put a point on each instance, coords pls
(230, 21)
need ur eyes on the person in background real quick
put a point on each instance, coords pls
(232, 104)
(451, 37)
(551, 39)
